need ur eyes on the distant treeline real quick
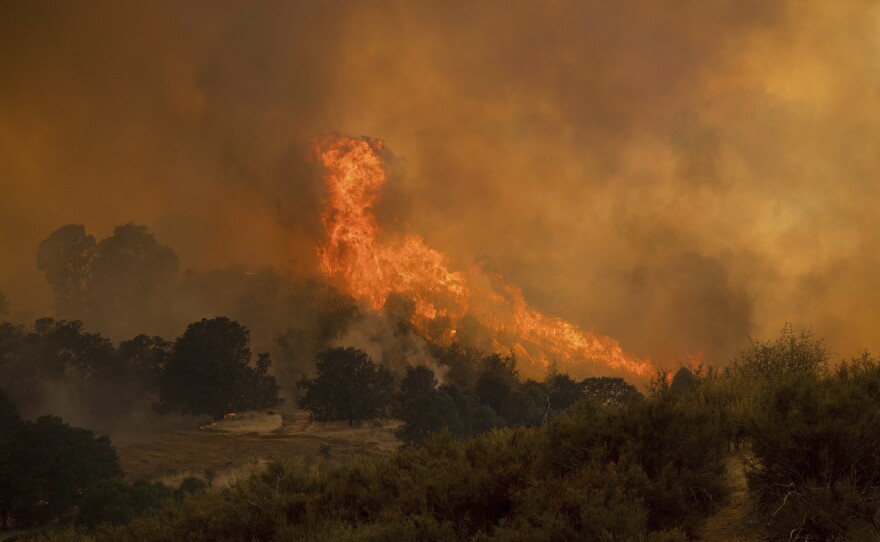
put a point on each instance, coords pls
(208, 370)
(481, 393)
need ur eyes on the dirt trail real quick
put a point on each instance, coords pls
(731, 523)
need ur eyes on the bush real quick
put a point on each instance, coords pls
(816, 444)
(117, 502)
(47, 466)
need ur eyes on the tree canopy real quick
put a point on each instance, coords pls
(209, 372)
(348, 386)
(128, 273)
(424, 409)
(46, 465)
(65, 256)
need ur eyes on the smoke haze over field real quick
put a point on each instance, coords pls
(675, 175)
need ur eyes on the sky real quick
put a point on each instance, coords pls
(678, 175)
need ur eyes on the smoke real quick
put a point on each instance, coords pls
(675, 175)
(393, 344)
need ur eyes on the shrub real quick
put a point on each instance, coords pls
(816, 468)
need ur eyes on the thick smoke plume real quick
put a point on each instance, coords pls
(676, 175)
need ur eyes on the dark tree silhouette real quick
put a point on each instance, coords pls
(462, 361)
(520, 408)
(423, 409)
(130, 274)
(348, 386)
(142, 359)
(56, 352)
(498, 376)
(48, 464)
(10, 420)
(564, 391)
(208, 371)
(684, 381)
(609, 390)
(65, 257)
(492, 390)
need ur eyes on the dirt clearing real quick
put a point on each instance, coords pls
(233, 448)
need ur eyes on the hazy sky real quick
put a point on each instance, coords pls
(674, 174)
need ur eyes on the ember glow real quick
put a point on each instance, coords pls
(372, 268)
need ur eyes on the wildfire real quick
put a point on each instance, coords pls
(372, 269)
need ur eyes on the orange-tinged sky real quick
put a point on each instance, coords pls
(675, 175)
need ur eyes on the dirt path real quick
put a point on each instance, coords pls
(731, 523)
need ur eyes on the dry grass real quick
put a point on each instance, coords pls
(732, 522)
(234, 448)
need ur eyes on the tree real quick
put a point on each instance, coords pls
(498, 376)
(520, 409)
(608, 390)
(10, 420)
(131, 273)
(142, 360)
(65, 258)
(208, 371)
(423, 409)
(18, 376)
(790, 354)
(49, 465)
(462, 361)
(56, 352)
(348, 386)
(492, 390)
(417, 382)
(684, 381)
(564, 391)
(503, 367)
(64, 349)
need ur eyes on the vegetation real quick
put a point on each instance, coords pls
(348, 386)
(45, 465)
(424, 409)
(485, 456)
(595, 473)
(208, 372)
(814, 432)
(128, 273)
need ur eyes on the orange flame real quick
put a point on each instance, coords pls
(372, 269)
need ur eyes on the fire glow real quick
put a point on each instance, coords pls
(372, 269)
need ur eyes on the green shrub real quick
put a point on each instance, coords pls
(816, 468)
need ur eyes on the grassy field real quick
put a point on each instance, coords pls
(234, 447)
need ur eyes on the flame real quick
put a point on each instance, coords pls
(372, 268)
